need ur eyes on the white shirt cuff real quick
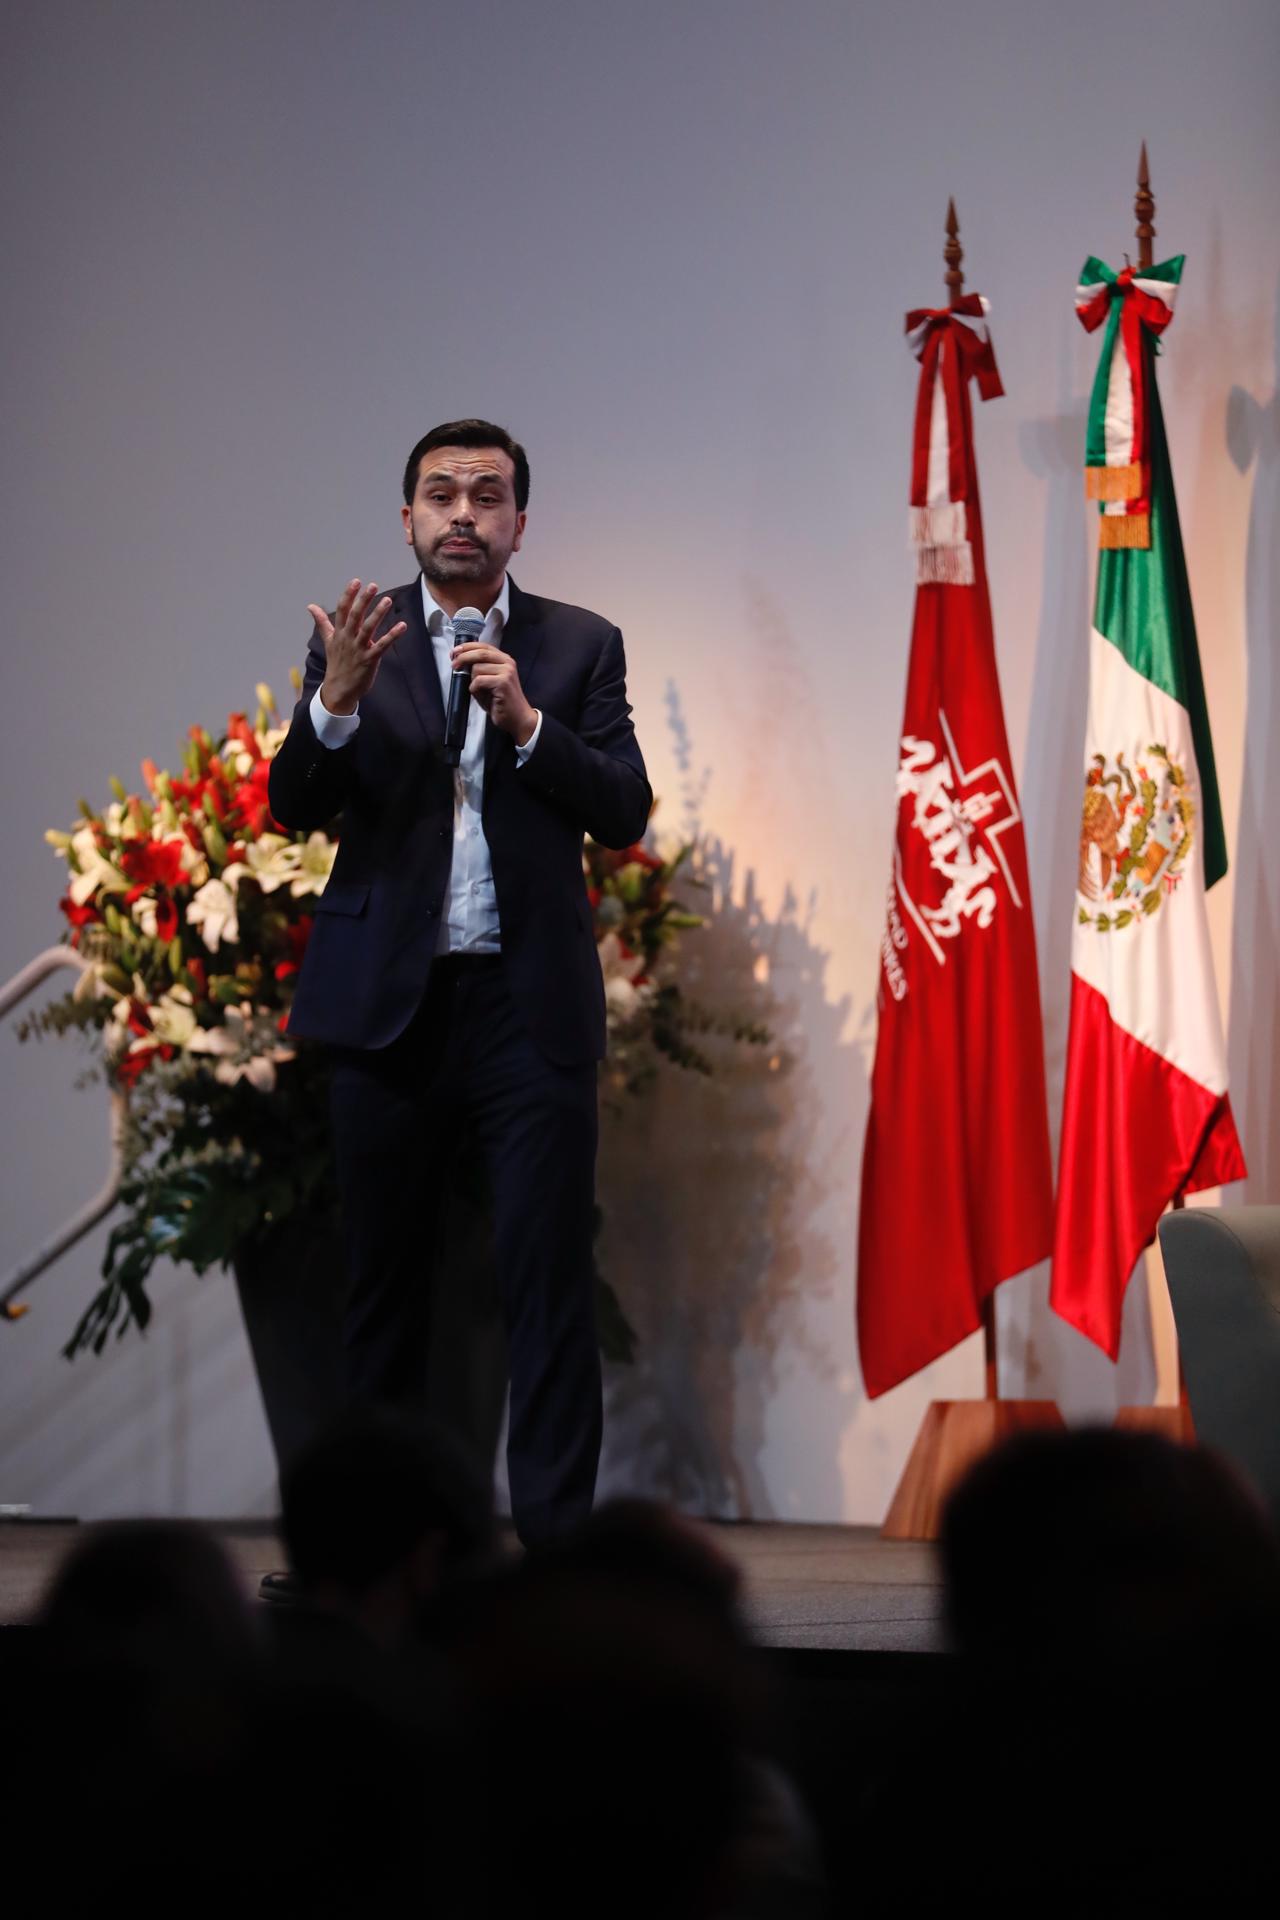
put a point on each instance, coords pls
(332, 729)
(522, 753)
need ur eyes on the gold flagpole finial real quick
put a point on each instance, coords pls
(1144, 208)
(953, 254)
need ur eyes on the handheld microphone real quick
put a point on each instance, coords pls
(468, 624)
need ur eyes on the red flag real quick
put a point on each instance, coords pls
(957, 1190)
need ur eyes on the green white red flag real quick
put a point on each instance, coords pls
(956, 1172)
(1146, 1113)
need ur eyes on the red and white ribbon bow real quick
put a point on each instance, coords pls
(953, 345)
(1135, 305)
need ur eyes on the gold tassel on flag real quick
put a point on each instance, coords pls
(1113, 483)
(1125, 530)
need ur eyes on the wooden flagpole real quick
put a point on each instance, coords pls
(1173, 1421)
(955, 1434)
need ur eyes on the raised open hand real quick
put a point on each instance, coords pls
(352, 644)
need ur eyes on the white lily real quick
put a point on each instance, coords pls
(271, 860)
(212, 911)
(269, 741)
(91, 985)
(230, 1040)
(192, 860)
(622, 998)
(315, 865)
(173, 1019)
(143, 911)
(259, 1072)
(213, 1040)
(116, 1038)
(96, 874)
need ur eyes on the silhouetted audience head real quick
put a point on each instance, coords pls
(1107, 1544)
(154, 1589)
(137, 1699)
(379, 1512)
(609, 1686)
(1116, 1599)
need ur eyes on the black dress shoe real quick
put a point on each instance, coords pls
(280, 1590)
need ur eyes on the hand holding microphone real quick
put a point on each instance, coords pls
(490, 675)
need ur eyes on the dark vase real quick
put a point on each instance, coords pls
(292, 1285)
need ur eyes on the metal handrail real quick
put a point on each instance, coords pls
(65, 1236)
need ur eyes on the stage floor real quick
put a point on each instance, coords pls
(804, 1586)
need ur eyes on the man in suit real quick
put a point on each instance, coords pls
(452, 967)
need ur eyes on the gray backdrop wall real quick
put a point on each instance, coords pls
(253, 251)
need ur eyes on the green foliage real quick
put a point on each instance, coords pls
(209, 1168)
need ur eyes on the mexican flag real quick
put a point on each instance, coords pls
(1146, 1114)
(956, 1172)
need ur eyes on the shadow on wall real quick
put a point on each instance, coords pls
(717, 1195)
(1253, 441)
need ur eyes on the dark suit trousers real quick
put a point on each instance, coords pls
(398, 1113)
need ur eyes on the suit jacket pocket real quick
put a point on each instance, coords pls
(347, 897)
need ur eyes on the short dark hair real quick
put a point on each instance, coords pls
(469, 433)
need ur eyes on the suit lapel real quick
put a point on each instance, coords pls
(522, 639)
(413, 656)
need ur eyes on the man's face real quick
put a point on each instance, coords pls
(462, 522)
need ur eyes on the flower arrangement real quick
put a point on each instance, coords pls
(191, 908)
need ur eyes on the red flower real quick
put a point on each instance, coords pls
(200, 979)
(133, 1064)
(250, 796)
(190, 793)
(594, 897)
(139, 1020)
(297, 936)
(79, 916)
(642, 858)
(152, 863)
(166, 917)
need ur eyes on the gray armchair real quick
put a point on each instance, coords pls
(1223, 1269)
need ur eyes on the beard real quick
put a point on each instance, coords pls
(478, 564)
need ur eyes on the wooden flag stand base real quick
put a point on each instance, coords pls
(1175, 1423)
(953, 1436)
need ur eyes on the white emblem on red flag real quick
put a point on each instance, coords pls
(961, 813)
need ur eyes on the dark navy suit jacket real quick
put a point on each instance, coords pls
(378, 919)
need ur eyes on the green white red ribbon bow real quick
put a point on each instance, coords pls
(1137, 306)
(953, 346)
